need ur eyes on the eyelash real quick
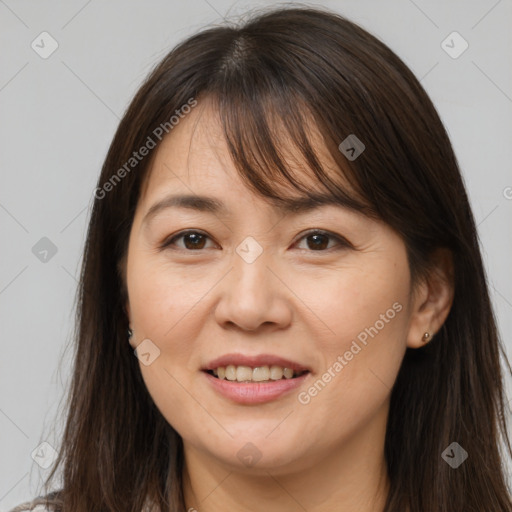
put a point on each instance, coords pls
(342, 242)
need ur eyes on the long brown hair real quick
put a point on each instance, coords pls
(295, 65)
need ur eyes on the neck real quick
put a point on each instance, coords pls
(351, 477)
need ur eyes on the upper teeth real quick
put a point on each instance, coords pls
(258, 374)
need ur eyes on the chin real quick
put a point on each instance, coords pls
(255, 452)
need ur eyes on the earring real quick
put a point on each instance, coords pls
(426, 337)
(130, 333)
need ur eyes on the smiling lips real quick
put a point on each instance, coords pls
(254, 379)
(257, 374)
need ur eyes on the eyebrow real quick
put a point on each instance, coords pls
(215, 206)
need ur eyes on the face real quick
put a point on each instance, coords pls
(252, 289)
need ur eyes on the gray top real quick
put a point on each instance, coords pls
(36, 505)
(25, 507)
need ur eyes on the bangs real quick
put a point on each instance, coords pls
(275, 141)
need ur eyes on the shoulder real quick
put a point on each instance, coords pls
(39, 504)
(32, 507)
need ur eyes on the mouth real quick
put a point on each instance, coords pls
(254, 379)
(255, 374)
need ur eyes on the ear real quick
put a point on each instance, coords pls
(432, 299)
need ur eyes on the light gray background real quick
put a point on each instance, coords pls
(58, 116)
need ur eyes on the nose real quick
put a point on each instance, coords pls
(253, 297)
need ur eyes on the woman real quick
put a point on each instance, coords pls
(281, 228)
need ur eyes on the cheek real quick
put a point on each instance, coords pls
(364, 302)
(162, 302)
(164, 308)
(366, 311)
(162, 296)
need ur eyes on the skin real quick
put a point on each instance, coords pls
(294, 301)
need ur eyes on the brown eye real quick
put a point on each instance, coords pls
(319, 241)
(192, 240)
